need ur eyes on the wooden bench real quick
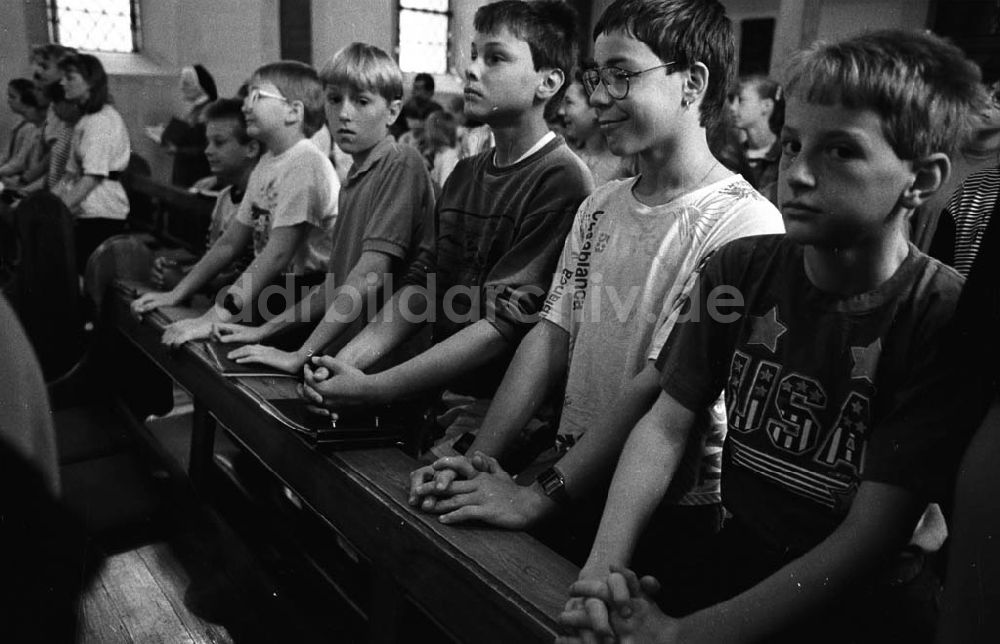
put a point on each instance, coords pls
(481, 584)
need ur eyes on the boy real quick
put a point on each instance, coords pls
(501, 219)
(232, 156)
(631, 256)
(839, 394)
(386, 208)
(288, 211)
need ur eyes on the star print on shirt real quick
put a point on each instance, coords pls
(866, 360)
(767, 329)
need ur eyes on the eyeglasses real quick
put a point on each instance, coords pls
(615, 79)
(255, 94)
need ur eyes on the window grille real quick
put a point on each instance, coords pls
(423, 35)
(95, 25)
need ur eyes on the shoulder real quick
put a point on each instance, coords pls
(936, 285)
(745, 257)
(403, 157)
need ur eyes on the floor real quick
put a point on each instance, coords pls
(175, 570)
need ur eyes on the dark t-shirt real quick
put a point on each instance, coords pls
(822, 391)
(499, 234)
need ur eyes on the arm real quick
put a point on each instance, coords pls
(537, 367)
(227, 247)
(645, 469)
(347, 303)
(73, 194)
(391, 327)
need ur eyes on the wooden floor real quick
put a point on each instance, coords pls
(139, 597)
(174, 570)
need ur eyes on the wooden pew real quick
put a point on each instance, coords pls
(482, 584)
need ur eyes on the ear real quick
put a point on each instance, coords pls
(695, 83)
(296, 112)
(929, 174)
(395, 107)
(550, 82)
(253, 149)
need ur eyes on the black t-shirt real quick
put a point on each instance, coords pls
(822, 391)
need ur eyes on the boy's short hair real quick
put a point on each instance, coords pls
(767, 87)
(426, 79)
(549, 28)
(25, 89)
(685, 32)
(298, 82)
(92, 71)
(363, 67)
(924, 89)
(53, 52)
(229, 109)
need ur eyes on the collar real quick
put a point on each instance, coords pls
(548, 136)
(380, 150)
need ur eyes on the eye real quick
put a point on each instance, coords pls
(843, 152)
(790, 147)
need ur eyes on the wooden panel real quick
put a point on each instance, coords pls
(483, 584)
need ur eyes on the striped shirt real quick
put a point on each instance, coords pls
(970, 208)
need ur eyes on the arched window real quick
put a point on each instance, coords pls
(95, 25)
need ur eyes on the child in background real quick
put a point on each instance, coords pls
(583, 129)
(501, 220)
(26, 149)
(232, 156)
(759, 111)
(288, 210)
(99, 154)
(440, 146)
(840, 388)
(386, 211)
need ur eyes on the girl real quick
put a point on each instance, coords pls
(759, 110)
(99, 153)
(25, 147)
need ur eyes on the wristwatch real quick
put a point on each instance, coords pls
(553, 485)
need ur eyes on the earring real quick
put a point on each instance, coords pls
(685, 102)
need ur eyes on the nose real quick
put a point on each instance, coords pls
(473, 70)
(599, 98)
(794, 170)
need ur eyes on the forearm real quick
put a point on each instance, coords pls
(74, 194)
(879, 524)
(444, 362)
(36, 171)
(647, 465)
(592, 459)
(212, 262)
(266, 266)
(397, 321)
(537, 367)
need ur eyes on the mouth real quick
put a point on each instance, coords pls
(472, 93)
(797, 209)
(609, 123)
(346, 132)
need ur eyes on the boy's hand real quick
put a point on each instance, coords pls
(492, 496)
(152, 301)
(187, 330)
(229, 332)
(623, 602)
(432, 481)
(344, 385)
(255, 353)
(166, 273)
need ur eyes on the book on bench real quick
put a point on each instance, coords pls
(232, 369)
(349, 428)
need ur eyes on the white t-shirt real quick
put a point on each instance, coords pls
(294, 187)
(624, 268)
(100, 145)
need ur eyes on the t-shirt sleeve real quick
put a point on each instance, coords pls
(751, 216)
(100, 145)
(919, 441)
(515, 288)
(694, 358)
(401, 214)
(306, 193)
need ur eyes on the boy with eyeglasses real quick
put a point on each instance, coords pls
(288, 210)
(629, 261)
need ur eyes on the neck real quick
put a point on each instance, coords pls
(281, 140)
(760, 137)
(595, 143)
(856, 269)
(359, 158)
(515, 138)
(671, 170)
